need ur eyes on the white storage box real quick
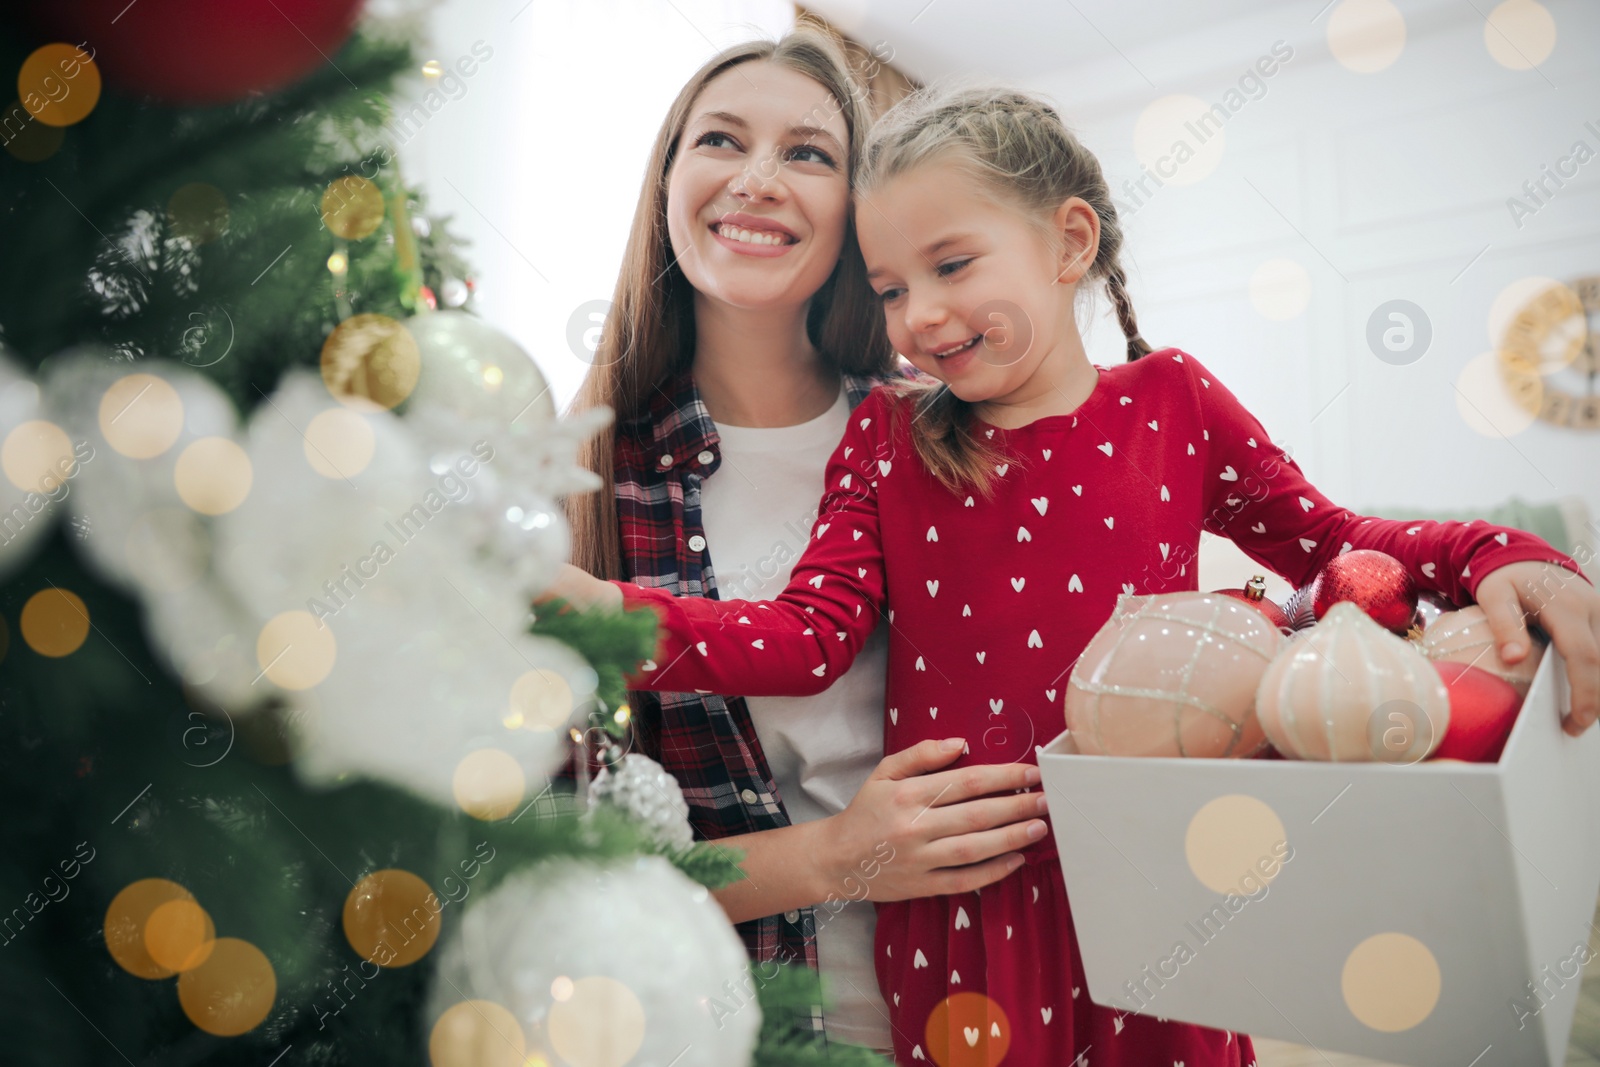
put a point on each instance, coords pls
(1437, 913)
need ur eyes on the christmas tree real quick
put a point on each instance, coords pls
(277, 723)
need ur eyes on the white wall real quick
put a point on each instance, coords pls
(541, 157)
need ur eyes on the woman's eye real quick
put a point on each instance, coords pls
(711, 136)
(947, 269)
(821, 156)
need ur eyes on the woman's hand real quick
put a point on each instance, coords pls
(1567, 608)
(580, 589)
(914, 830)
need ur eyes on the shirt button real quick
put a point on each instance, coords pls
(706, 456)
(666, 461)
(748, 796)
(791, 916)
(697, 543)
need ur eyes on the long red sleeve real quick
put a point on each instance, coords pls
(801, 642)
(1260, 499)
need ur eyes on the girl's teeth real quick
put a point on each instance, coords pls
(751, 236)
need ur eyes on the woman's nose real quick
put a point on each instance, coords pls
(758, 180)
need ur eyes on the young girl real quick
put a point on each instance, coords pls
(993, 512)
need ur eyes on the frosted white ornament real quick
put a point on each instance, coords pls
(25, 512)
(642, 788)
(604, 964)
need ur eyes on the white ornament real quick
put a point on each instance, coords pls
(628, 961)
(642, 788)
(26, 511)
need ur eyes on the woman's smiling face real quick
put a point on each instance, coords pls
(758, 196)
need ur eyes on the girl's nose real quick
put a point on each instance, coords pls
(924, 311)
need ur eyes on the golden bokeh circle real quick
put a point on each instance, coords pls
(213, 475)
(1390, 982)
(1366, 36)
(55, 622)
(600, 1025)
(58, 84)
(1229, 838)
(179, 935)
(371, 359)
(489, 784)
(126, 918)
(37, 456)
(392, 918)
(339, 442)
(296, 650)
(33, 142)
(141, 415)
(1280, 289)
(352, 207)
(232, 991)
(967, 1030)
(198, 211)
(541, 699)
(1164, 139)
(477, 1033)
(1520, 34)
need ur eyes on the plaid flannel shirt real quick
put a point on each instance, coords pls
(707, 742)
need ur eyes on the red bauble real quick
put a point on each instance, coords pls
(1254, 594)
(1483, 709)
(203, 51)
(1375, 582)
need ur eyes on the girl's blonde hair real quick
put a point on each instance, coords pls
(649, 333)
(1019, 151)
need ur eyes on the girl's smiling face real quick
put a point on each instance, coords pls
(968, 286)
(758, 194)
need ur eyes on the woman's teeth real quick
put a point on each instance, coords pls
(754, 237)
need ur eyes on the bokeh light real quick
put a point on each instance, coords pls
(37, 456)
(126, 918)
(141, 416)
(477, 1033)
(1366, 36)
(392, 918)
(370, 360)
(1520, 34)
(339, 443)
(600, 1025)
(58, 84)
(968, 1030)
(213, 475)
(295, 650)
(55, 622)
(1230, 837)
(489, 784)
(232, 991)
(198, 211)
(1390, 982)
(352, 207)
(179, 935)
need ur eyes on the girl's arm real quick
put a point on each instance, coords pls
(1259, 498)
(804, 640)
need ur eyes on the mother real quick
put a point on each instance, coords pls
(741, 335)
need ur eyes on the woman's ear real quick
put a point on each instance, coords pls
(1078, 226)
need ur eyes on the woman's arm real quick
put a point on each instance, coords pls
(913, 830)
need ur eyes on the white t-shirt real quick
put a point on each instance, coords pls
(757, 512)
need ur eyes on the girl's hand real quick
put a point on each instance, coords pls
(580, 589)
(1567, 608)
(916, 831)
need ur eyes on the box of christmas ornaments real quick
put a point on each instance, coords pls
(1346, 823)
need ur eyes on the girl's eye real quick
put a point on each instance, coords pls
(822, 157)
(889, 295)
(947, 269)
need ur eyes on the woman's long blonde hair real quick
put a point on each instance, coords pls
(649, 333)
(1017, 148)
